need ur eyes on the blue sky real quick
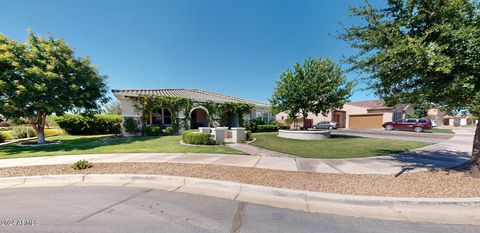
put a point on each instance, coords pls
(237, 48)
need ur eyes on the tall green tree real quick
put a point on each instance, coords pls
(421, 50)
(316, 86)
(43, 76)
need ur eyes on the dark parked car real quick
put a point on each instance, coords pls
(417, 125)
(325, 125)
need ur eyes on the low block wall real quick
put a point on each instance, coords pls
(304, 134)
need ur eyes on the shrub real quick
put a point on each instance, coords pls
(23, 132)
(51, 123)
(279, 125)
(267, 128)
(130, 125)
(249, 136)
(90, 125)
(197, 138)
(19, 121)
(53, 132)
(7, 135)
(153, 130)
(259, 121)
(82, 164)
(168, 131)
(251, 125)
(3, 137)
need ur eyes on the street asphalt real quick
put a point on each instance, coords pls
(122, 209)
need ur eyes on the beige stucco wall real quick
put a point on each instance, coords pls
(352, 110)
(387, 116)
(128, 108)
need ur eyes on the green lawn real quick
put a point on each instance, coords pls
(335, 147)
(105, 144)
(437, 130)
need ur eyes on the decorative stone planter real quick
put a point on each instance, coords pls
(304, 134)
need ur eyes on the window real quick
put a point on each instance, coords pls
(157, 117)
(422, 121)
(411, 121)
(401, 121)
(265, 118)
(167, 117)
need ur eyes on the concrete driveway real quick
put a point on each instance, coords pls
(122, 209)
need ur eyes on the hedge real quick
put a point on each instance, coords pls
(267, 128)
(197, 138)
(90, 125)
(153, 130)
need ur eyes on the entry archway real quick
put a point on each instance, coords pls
(198, 118)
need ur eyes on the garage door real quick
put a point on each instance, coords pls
(366, 121)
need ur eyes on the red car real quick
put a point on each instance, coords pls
(417, 125)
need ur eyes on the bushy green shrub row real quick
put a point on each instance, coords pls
(90, 125)
(267, 128)
(197, 138)
(23, 132)
(260, 126)
(155, 130)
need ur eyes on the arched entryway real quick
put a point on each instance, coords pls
(198, 118)
(232, 120)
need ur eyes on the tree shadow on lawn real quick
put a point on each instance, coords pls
(432, 160)
(75, 143)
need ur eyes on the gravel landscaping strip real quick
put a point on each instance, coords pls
(421, 184)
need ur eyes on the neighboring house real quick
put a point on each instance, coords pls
(438, 116)
(448, 120)
(362, 114)
(198, 114)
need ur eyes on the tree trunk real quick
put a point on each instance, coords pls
(39, 126)
(305, 115)
(475, 159)
(41, 136)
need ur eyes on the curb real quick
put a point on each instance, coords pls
(438, 210)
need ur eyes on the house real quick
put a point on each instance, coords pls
(444, 119)
(198, 114)
(361, 114)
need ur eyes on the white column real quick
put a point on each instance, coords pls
(238, 135)
(220, 134)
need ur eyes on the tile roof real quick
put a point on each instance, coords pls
(194, 94)
(371, 104)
